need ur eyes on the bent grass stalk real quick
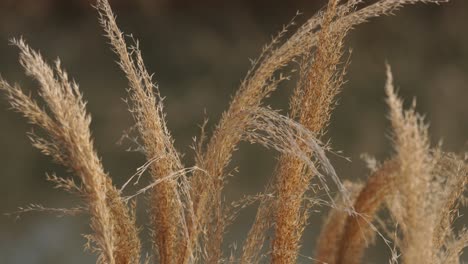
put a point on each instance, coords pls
(421, 186)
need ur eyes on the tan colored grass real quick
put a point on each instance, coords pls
(69, 143)
(422, 187)
(452, 173)
(358, 229)
(414, 176)
(253, 248)
(147, 109)
(258, 84)
(311, 105)
(429, 182)
(331, 234)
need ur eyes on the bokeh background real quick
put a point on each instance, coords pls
(199, 51)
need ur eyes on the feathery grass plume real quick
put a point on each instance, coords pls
(358, 228)
(252, 250)
(424, 209)
(283, 134)
(454, 248)
(332, 230)
(311, 105)
(422, 186)
(146, 106)
(447, 191)
(258, 84)
(412, 148)
(306, 38)
(451, 180)
(288, 137)
(190, 217)
(69, 143)
(428, 201)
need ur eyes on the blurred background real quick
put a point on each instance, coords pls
(199, 51)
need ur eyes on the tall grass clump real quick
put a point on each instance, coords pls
(420, 186)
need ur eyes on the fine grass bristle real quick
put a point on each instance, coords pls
(331, 235)
(420, 186)
(145, 104)
(358, 228)
(311, 105)
(69, 143)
